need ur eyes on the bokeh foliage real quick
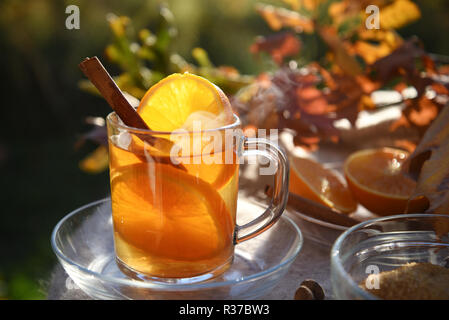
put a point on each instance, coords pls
(43, 109)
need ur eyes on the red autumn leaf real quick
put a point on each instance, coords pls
(440, 89)
(400, 61)
(418, 113)
(279, 46)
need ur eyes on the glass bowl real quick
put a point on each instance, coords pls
(384, 244)
(83, 243)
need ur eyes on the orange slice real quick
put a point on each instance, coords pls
(374, 176)
(218, 174)
(168, 213)
(170, 104)
(190, 102)
(311, 180)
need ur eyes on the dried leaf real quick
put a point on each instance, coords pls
(294, 4)
(400, 61)
(278, 18)
(346, 62)
(371, 52)
(389, 37)
(279, 46)
(429, 162)
(291, 99)
(418, 113)
(399, 14)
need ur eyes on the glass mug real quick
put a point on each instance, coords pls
(174, 214)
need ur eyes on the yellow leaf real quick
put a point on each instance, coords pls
(399, 14)
(390, 37)
(96, 162)
(310, 4)
(118, 24)
(342, 57)
(278, 18)
(371, 52)
(294, 4)
(337, 9)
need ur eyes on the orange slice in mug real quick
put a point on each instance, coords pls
(169, 213)
(170, 104)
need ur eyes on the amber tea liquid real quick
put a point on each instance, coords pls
(168, 222)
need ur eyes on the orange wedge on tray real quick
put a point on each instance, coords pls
(311, 180)
(377, 182)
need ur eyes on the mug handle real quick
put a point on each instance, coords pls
(265, 147)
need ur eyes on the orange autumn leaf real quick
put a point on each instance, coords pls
(418, 113)
(345, 61)
(278, 18)
(289, 101)
(279, 46)
(430, 166)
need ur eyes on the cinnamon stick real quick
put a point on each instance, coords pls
(100, 78)
(316, 210)
(97, 74)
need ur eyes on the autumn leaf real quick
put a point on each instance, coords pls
(278, 18)
(371, 52)
(389, 37)
(429, 164)
(294, 4)
(346, 62)
(399, 14)
(279, 46)
(292, 99)
(418, 113)
(400, 61)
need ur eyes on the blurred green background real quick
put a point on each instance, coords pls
(43, 110)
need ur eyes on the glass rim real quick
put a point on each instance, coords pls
(336, 261)
(119, 124)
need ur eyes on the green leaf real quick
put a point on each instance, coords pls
(322, 12)
(202, 57)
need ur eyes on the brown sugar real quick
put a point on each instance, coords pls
(413, 281)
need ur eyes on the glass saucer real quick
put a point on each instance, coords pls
(83, 243)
